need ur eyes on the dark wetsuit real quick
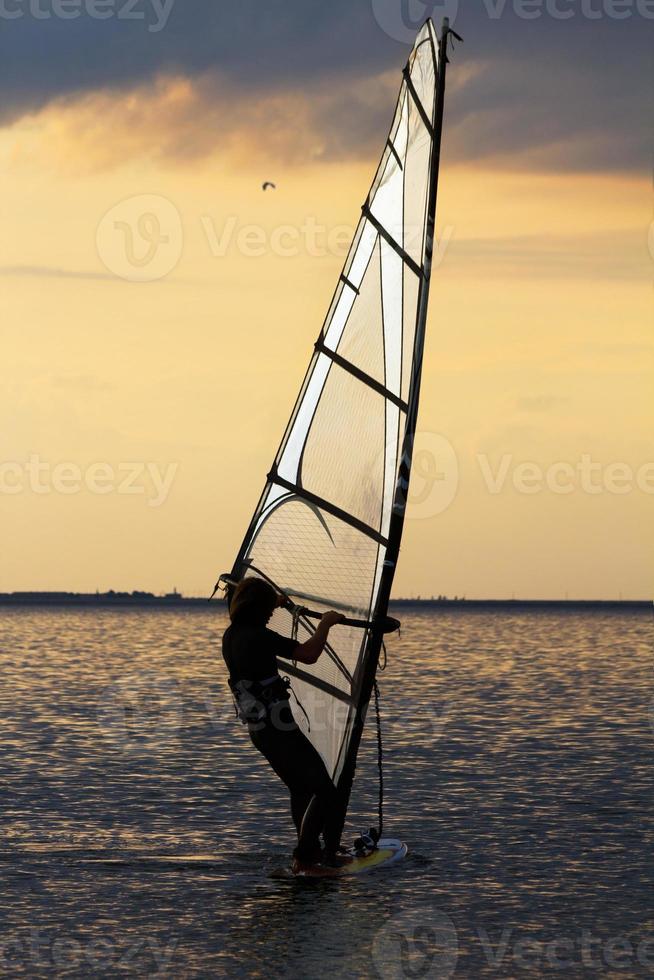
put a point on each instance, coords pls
(251, 653)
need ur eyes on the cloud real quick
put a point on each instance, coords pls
(607, 255)
(258, 47)
(80, 382)
(179, 119)
(540, 403)
(635, 351)
(528, 94)
(561, 116)
(51, 272)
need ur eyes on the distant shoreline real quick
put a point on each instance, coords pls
(175, 600)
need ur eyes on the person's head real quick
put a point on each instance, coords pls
(253, 602)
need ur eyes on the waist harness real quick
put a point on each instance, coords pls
(255, 700)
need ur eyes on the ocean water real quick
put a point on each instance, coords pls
(518, 768)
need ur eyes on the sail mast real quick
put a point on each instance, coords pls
(375, 640)
(328, 525)
(402, 485)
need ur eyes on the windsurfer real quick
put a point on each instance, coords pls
(250, 650)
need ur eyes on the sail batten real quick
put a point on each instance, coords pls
(365, 379)
(418, 104)
(329, 520)
(391, 147)
(347, 282)
(303, 494)
(316, 682)
(388, 238)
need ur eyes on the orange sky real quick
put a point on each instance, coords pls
(539, 352)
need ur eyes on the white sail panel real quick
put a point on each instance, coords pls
(362, 339)
(387, 197)
(343, 452)
(411, 288)
(320, 533)
(416, 184)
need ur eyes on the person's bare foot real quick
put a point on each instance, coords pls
(335, 859)
(305, 860)
(299, 867)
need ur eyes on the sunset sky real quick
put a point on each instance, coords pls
(144, 400)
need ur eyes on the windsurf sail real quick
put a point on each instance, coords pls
(326, 532)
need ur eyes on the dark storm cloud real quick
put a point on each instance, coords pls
(551, 91)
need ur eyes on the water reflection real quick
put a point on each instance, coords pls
(518, 768)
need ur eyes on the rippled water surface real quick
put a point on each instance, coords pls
(518, 769)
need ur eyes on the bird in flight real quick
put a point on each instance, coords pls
(269, 183)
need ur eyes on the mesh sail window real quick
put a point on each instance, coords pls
(321, 530)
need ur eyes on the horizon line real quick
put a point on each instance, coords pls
(136, 595)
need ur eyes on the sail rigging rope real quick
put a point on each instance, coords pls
(382, 668)
(380, 762)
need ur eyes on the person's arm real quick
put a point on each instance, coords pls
(308, 652)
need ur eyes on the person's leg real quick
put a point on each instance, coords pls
(281, 752)
(313, 795)
(332, 830)
(334, 823)
(300, 799)
(313, 825)
(323, 799)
